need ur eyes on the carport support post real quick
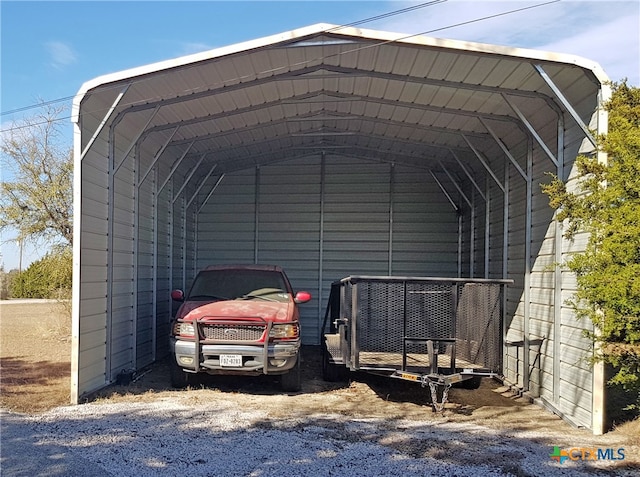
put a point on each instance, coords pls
(527, 268)
(256, 217)
(392, 178)
(599, 379)
(505, 262)
(170, 221)
(557, 273)
(459, 243)
(323, 165)
(184, 242)
(487, 226)
(472, 238)
(154, 321)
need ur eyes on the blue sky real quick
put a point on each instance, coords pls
(48, 49)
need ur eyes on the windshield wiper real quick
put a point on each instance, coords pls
(249, 296)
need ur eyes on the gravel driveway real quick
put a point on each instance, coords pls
(229, 426)
(173, 436)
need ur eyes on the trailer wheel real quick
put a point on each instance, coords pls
(291, 381)
(179, 378)
(473, 383)
(332, 372)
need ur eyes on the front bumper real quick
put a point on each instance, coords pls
(276, 358)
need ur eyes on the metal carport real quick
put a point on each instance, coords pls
(333, 151)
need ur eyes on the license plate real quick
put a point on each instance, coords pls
(231, 360)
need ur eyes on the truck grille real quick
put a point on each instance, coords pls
(233, 332)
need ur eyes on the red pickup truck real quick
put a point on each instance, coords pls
(237, 319)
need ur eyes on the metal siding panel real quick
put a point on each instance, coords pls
(420, 247)
(289, 229)
(579, 416)
(229, 212)
(576, 387)
(93, 272)
(356, 217)
(94, 342)
(540, 328)
(122, 262)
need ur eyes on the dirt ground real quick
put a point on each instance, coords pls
(35, 376)
(35, 355)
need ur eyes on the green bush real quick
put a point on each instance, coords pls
(49, 277)
(607, 205)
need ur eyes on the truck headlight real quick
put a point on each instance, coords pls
(283, 332)
(183, 329)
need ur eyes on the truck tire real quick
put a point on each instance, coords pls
(332, 372)
(291, 382)
(179, 378)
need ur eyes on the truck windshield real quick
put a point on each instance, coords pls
(233, 284)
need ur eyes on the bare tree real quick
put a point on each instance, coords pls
(37, 187)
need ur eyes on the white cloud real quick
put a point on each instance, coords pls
(189, 48)
(615, 45)
(61, 54)
(606, 32)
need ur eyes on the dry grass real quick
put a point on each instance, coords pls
(631, 430)
(35, 356)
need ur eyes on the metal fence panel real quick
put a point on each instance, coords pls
(389, 321)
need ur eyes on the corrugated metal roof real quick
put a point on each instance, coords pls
(387, 96)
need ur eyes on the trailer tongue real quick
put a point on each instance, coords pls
(432, 331)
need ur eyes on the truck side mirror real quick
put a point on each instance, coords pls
(177, 295)
(302, 297)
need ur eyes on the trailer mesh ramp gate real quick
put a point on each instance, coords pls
(435, 331)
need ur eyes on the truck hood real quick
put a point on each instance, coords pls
(230, 309)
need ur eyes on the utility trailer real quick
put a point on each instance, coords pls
(432, 331)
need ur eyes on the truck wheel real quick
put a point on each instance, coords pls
(332, 372)
(291, 381)
(179, 378)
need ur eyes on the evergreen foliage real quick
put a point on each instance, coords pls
(49, 277)
(606, 204)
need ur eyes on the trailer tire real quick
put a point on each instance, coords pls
(291, 381)
(332, 372)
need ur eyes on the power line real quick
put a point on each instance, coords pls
(389, 14)
(358, 22)
(489, 17)
(396, 12)
(38, 105)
